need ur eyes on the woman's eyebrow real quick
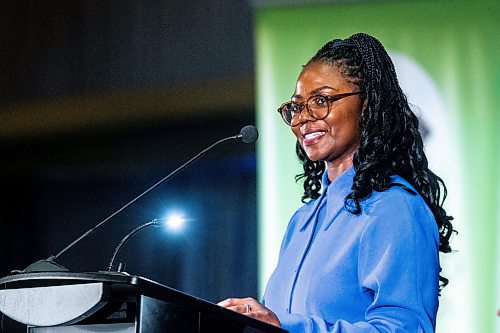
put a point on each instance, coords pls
(315, 91)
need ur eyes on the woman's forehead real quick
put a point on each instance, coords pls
(319, 75)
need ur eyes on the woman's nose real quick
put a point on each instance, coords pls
(305, 116)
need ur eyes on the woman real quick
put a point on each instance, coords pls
(362, 254)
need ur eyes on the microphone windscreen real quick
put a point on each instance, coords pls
(249, 134)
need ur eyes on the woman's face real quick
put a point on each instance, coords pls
(335, 138)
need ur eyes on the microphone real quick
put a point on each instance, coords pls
(248, 134)
(153, 223)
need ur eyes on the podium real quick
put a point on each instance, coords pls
(56, 302)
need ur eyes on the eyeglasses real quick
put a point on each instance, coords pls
(317, 106)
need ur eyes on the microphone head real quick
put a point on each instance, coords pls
(249, 134)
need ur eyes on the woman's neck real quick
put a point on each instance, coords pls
(336, 168)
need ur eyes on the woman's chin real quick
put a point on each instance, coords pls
(314, 156)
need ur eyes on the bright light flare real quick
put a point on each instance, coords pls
(175, 222)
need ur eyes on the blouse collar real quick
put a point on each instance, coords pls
(335, 193)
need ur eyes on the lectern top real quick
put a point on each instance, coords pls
(102, 287)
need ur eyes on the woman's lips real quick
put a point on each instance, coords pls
(312, 138)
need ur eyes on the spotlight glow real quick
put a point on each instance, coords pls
(175, 222)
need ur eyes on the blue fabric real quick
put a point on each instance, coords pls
(320, 215)
(373, 272)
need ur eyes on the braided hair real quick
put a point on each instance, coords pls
(390, 142)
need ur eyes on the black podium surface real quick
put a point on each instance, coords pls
(52, 302)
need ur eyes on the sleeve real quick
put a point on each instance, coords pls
(398, 267)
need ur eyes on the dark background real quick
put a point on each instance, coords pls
(101, 99)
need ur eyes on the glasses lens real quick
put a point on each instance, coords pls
(318, 106)
(289, 111)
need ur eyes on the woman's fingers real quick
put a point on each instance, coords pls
(251, 308)
(246, 308)
(237, 301)
(265, 315)
(241, 305)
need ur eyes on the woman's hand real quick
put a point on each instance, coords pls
(252, 308)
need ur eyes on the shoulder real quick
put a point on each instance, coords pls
(297, 221)
(300, 215)
(397, 209)
(305, 208)
(401, 196)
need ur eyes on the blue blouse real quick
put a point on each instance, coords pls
(373, 272)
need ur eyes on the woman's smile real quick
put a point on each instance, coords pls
(312, 137)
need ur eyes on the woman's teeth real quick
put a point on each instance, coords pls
(313, 135)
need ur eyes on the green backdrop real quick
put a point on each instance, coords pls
(454, 47)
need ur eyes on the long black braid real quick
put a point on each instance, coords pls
(390, 142)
